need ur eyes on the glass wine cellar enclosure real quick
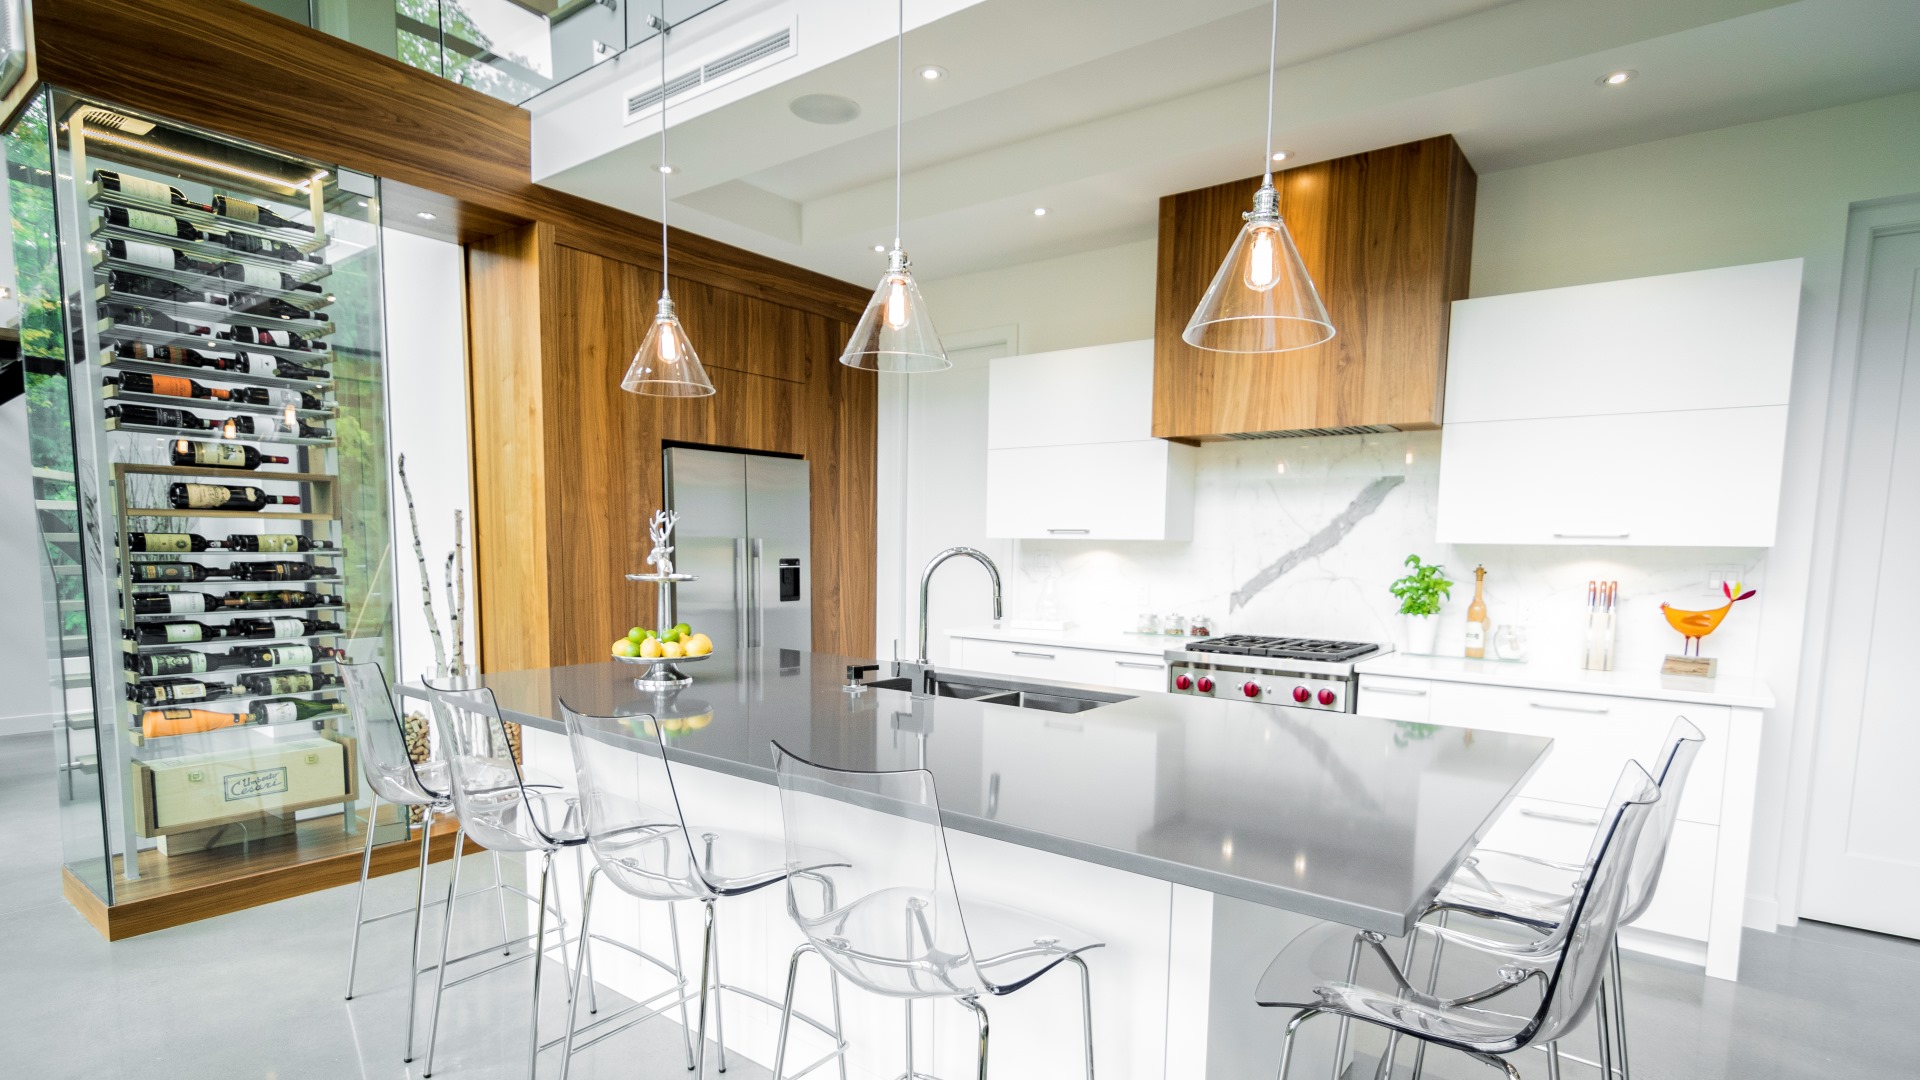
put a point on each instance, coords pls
(201, 331)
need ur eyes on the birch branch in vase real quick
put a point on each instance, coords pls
(459, 591)
(426, 579)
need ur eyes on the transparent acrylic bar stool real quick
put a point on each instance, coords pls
(887, 915)
(1519, 996)
(1484, 888)
(394, 777)
(643, 843)
(503, 813)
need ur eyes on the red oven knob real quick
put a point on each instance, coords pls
(1206, 685)
(1183, 683)
(1301, 694)
(1251, 689)
(1326, 697)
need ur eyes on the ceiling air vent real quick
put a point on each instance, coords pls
(1301, 433)
(717, 71)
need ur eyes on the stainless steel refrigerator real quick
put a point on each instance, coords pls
(744, 528)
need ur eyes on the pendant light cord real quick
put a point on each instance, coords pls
(663, 148)
(900, 109)
(1273, 60)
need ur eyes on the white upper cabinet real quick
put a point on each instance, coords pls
(1070, 455)
(1643, 412)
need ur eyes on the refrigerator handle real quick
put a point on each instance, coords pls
(740, 622)
(754, 611)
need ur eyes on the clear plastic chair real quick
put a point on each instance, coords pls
(643, 843)
(1484, 887)
(887, 914)
(1519, 997)
(501, 812)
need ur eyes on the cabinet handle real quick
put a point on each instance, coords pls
(1141, 664)
(1034, 655)
(1570, 819)
(1393, 690)
(1591, 536)
(1601, 711)
(1069, 532)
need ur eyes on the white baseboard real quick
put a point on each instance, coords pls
(1763, 913)
(26, 724)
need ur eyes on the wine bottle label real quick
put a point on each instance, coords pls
(1476, 635)
(145, 254)
(279, 712)
(207, 496)
(172, 386)
(167, 542)
(186, 691)
(164, 572)
(289, 628)
(145, 189)
(279, 543)
(187, 603)
(181, 664)
(290, 655)
(287, 684)
(242, 210)
(260, 277)
(152, 222)
(182, 632)
(221, 455)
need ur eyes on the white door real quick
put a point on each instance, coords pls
(1863, 849)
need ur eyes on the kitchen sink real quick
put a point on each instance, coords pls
(1055, 699)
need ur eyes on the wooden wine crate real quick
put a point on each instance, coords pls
(196, 791)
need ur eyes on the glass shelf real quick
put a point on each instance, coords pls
(147, 335)
(165, 401)
(245, 378)
(208, 283)
(302, 271)
(224, 674)
(201, 311)
(116, 424)
(223, 643)
(161, 588)
(303, 240)
(227, 699)
(237, 613)
(241, 556)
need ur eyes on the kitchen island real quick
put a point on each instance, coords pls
(1136, 820)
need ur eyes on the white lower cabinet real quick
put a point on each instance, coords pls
(1696, 913)
(1061, 663)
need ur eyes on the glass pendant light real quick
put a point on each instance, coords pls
(1262, 300)
(896, 332)
(665, 365)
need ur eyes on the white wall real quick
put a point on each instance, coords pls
(1771, 190)
(427, 408)
(28, 703)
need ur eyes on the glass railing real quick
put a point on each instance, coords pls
(510, 49)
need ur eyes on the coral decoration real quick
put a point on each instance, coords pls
(1694, 625)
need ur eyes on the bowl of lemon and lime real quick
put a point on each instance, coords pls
(677, 642)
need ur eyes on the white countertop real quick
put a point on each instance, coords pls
(1735, 692)
(1145, 644)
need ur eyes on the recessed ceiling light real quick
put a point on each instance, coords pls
(663, 167)
(880, 248)
(1282, 155)
(930, 73)
(1039, 211)
(424, 215)
(824, 108)
(1615, 78)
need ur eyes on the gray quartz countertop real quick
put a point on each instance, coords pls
(1339, 817)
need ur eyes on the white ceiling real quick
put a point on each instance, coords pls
(1096, 108)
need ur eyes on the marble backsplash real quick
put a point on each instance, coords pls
(1303, 536)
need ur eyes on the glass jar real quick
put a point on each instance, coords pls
(1146, 623)
(1174, 623)
(1202, 626)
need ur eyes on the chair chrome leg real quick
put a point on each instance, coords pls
(839, 1029)
(539, 961)
(786, 1014)
(1620, 1011)
(1286, 1044)
(579, 967)
(909, 1074)
(500, 896)
(360, 902)
(1601, 1022)
(706, 973)
(719, 1017)
(1340, 1043)
(1500, 1063)
(1086, 1008)
(980, 1011)
(1433, 980)
(419, 904)
(593, 990)
(440, 971)
(680, 973)
(1553, 1061)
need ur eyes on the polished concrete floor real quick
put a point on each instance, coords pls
(258, 994)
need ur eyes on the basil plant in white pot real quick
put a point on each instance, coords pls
(1421, 594)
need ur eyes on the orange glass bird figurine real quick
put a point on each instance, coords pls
(1694, 625)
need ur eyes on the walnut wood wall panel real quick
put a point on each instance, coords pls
(1386, 236)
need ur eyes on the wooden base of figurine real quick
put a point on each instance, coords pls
(1702, 667)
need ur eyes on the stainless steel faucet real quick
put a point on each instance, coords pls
(927, 577)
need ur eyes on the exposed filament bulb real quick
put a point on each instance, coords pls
(897, 313)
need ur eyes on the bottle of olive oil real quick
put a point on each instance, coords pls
(1479, 627)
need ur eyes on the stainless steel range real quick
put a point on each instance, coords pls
(1305, 673)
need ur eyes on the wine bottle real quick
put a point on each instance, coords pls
(248, 425)
(260, 245)
(151, 416)
(1477, 621)
(175, 603)
(280, 571)
(147, 189)
(122, 281)
(181, 662)
(281, 629)
(274, 307)
(279, 339)
(178, 691)
(151, 221)
(179, 357)
(223, 497)
(169, 543)
(279, 399)
(139, 382)
(282, 655)
(150, 573)
(222, 455)
(275, 542)
(173, 633)
(254, 214)
(128, 315)
(287, 369)
(287, 710)
(288, 682)
(162, 723)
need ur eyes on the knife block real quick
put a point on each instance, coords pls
(1600, 627)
